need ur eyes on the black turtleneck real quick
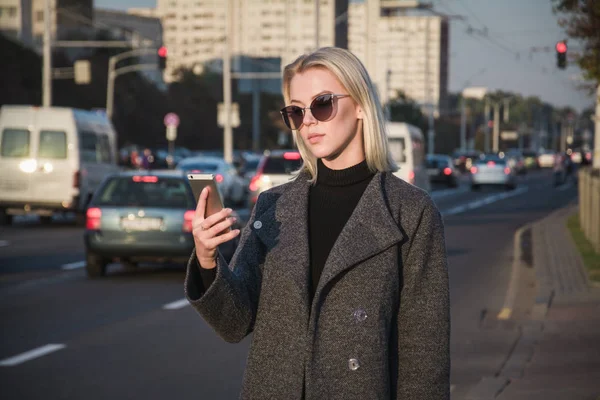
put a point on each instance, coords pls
(331, 202)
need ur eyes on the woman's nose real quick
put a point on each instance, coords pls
(308, 119)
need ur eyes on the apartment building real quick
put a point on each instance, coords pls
(407, 52)
(194, 30)
(24, 19)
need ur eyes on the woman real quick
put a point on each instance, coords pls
(341, 273)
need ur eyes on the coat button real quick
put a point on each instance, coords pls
(353, 364)
(257, 225)
(360, 315)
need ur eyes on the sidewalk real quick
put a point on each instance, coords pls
(563, 360)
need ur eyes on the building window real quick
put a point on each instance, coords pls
(39, 16)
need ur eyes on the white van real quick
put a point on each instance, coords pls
(52, 159)
(407, 146)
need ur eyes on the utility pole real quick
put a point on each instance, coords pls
(47, 54)
(227, 129)
(486, 138)
(496, 144)
(463, 125)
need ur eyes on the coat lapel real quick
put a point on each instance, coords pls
(370, 230)
(283, 229)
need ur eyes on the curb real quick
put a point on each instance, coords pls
(530, 332)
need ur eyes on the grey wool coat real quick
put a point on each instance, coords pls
(379, 324)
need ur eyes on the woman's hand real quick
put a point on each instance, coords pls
(209, 232)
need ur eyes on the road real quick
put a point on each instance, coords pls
(131, 335)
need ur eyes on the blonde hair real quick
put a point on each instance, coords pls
(354, 77)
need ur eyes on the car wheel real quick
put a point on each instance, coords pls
(95, 265)
(475, 187)
(45, 219)
(510, 186)
(5, 219)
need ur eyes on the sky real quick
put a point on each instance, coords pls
(508, 58)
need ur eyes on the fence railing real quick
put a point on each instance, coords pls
(589, 205)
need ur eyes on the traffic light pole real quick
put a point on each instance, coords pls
(113, 73)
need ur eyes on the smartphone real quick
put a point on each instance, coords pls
(214, 202)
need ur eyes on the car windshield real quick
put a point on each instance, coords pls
(281, 165)
(199, 166)
(437, 163)
(146, 191)
(495, 159)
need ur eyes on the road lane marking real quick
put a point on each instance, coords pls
(484, 202)
(4, 243)
(504, 314)
(515, 274)
(73, 265)
(176, 304)
(31, 354)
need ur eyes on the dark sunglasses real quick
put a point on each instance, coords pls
(321, 108)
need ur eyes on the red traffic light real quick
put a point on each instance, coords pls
(561, 47)
(162, 52)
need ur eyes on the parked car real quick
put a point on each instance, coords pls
(276, 167)
(546, 159)
(463, 161)
(138, 216)
(231, 186)
(493, 170)
(440, 169)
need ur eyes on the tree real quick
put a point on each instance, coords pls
(405, 109)
(581, 19)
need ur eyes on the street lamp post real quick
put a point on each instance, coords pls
(113, 73)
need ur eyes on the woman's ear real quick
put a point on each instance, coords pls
(359, 112)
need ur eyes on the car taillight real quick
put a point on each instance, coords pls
(254, 183)
(219, 178)
(411, 177)
(76, 179)
(145, 179)
(473, 170)
(447, 171)
(507, 171)
(291, 155)
(93, 219)
(188, 216)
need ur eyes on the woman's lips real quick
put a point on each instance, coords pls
(314, 138)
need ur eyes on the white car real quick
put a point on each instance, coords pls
(231, 186)
(547, 159)
(492, 170)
